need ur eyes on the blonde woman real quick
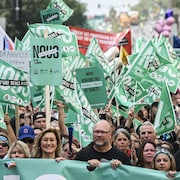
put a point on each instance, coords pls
(48, 145)
(18, 149)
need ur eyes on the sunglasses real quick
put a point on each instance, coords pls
(3, 144)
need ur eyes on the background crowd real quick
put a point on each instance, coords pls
(117, 142)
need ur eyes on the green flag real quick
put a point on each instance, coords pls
(165, 119)
(121, 97)
(66, 38)
(50, 16)
(67, 91)
(157, 77)
(145, 62)
(14, 85)
(38, 96)
(154, 93)
(96, 56)
(133, 89)
(64, 11)
(87, 119)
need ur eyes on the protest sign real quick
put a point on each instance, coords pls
(46, 64)
(50, 16)
(19, 59)
(66, 39)
(92, 83)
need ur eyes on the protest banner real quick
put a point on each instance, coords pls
(62, 33)
(14, 85)
(106, 40)
(44, 169)
(92, 83)
(46, 63)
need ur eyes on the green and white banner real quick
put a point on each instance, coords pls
(66, 38)
(46, 62)
(44, 169)
(92, 83)
(50, 16)
(165, 120)
(14, 85)
(64, 10)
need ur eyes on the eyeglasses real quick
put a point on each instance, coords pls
(100, 132)
(3, 144)
(30, 141)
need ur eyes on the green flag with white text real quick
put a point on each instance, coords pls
(66, 38)
(14, 85)
(64, 11)
(165, 119)
(67, 91)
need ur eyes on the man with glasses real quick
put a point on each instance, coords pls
(4, 144)
(101, 149)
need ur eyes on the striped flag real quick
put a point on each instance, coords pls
(165, 120)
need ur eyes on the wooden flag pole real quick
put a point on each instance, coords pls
(17, 120)
(47, 106)
(115, 82)
(47, 95)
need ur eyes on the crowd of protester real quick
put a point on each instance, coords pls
(117, 142)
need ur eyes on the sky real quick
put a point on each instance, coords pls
(105, 5)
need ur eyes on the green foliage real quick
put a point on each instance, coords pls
(77, 19)
(151, 7)
(30, 13)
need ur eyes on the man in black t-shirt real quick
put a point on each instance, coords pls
(101, 148)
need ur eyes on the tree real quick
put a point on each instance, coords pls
(78, 18)
(114, 20)
(30, 13)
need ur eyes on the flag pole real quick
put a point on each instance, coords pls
(115, 82)
(47, 95)
(17, 120)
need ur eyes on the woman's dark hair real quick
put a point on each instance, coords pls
(141, 149)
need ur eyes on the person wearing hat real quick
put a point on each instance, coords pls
(4, 144)
(39, 120)
(26, 134)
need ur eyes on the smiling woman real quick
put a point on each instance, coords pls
(48, 145)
